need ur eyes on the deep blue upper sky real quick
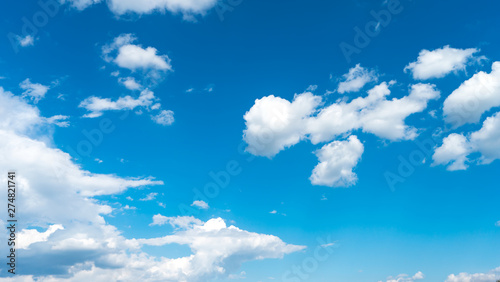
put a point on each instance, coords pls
(438, 221)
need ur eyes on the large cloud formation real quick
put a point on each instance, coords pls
(64, 235)
(274, 124)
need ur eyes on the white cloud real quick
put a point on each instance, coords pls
(355, 79)
(81, 4)
(183, 222)
(135, 57)
(20, 117)
(57, 192)
(96, 106)
(31, 236)
(217, 252)
(165, 117)
(58, 120)
(273, 123)
(456, 147)
(273, 212)
(125, 54)
(312, 88)
(28, 40)
(473, 98)
(440, 62)
(130, 83)
(491, 276)
(188, 8)
(149, 197)
(336, 162)
(200, 204)
(497, 223)
(405, 278)
(34, 91)
(217, 249)
(487, 139)
(454, 152)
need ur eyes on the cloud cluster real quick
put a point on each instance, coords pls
(274, 124)
(66, 238)
(217, 249)
(491, 276)
(122, 52)
(456, 148)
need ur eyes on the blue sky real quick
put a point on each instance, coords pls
(142, 131)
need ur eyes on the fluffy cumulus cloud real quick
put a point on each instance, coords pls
(273, 123)
(355, 79)
(440, 62)
(453, 152)
(491, 276)
(135, 57)
(65, 236)
(34, 91)
(336, 162)
(96, 105)
(130, 83)
(456, 148)
(217, 249)
(124, 53)
(406, 278)
(473, 98)
(165, 117)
